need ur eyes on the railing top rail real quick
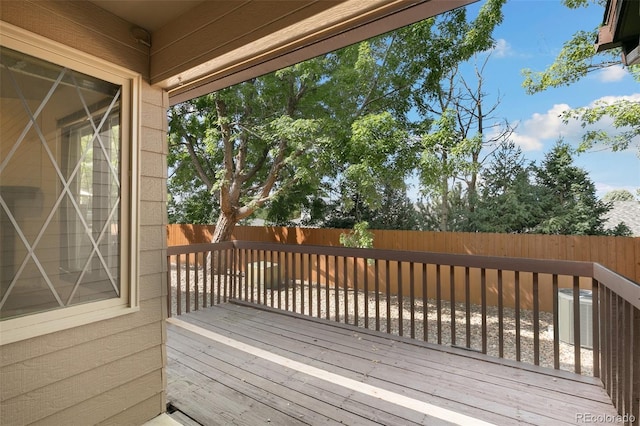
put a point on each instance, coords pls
(198, 248)
(548, 266)
(623, 287)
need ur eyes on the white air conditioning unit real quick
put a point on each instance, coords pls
(565, 317)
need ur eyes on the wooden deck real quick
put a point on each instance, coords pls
(234, 364)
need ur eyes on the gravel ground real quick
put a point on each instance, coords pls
(291, 299)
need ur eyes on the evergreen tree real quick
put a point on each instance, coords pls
(568, 196)
(508, 200)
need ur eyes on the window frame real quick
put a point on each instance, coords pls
(38, 324)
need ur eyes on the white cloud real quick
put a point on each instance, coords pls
(501, 49)
(530, 134)
(611, 99)
(526, 142)
(612, 74)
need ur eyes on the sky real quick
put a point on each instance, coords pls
(531, 36)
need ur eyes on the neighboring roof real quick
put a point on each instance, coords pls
(621, 28)
(627, 212)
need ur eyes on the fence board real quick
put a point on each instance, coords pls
(621, 254)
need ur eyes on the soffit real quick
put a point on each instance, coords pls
(201, 46)
(621, 28)
(150, 15)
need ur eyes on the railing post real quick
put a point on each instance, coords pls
(576, 325)
(169, 299)
(634, 350)
(595, 321)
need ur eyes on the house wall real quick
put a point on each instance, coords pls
(106, 372)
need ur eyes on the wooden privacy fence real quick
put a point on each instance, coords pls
(619, 254)
(322, 282)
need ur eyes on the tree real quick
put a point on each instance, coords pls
(394, 211)
(618, 195)
(568, 198)
(452, 150)
(508, 200)
(250, 142)
(576, 60)
(341, 117)
(430, 211)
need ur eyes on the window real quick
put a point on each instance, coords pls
(66, 210)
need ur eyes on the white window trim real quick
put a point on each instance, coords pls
(38, 324)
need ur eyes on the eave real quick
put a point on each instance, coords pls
(208, 48)
(621, 29)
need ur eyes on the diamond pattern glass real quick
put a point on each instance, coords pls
(60, 156)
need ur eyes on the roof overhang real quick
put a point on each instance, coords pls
(621, 28)
(197, 47)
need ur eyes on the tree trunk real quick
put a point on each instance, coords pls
(216, 261)
(224, 228)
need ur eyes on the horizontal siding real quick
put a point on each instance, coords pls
(50, 343)
(114, 403)
(110, 371)
(137, 414)
(66, 393)
(81, 25)
(34, 373)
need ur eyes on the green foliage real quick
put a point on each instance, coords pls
(568, 196)
(340, 118)
(508, 200)
(576, 60)
(192, 207)
(618, 195)
(395, 211)
(456, 209)
(359, 237)
(626, 118)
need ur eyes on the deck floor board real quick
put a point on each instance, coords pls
(214, 383)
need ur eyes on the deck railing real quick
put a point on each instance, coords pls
(491, 305)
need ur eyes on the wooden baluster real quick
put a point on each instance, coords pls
(187, 274)
(196, 280)
(336, 289)
(178, 285)
(483, 307)
(425, 304)
(356, 312)
(327, 286)
(294, 281)
(517, 314)
(169, 289)
(467, 302)
(536, 321)
(452, 302)
(556, 325)
(318, 312)
(212, 279)
(439, 304)
(412, 299)
(595, 321)
(376, 289)
(400, 301)
(345, 287)
(576, 324)
(500, 316)
(388, 294)
(366, 293)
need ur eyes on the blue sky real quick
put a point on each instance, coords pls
(531, 35)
